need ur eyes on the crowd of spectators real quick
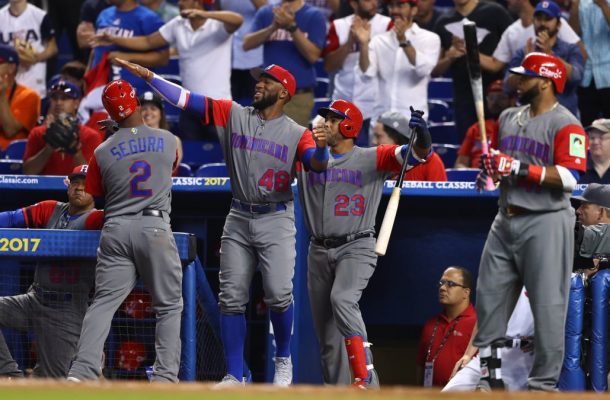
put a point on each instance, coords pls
(379, 54)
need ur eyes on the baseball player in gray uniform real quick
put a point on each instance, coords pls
(55, 303)
(340, 206)
(261, 146)
(531, 242)
(132, 169)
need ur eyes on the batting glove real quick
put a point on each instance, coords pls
(418, 123)
(481, 181)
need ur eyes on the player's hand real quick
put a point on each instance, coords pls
(135, 69)
(543, 42)
(418, 123)
(457, 49)
(109, 126)
(461, 363)
(103, 39)
(320, 136)
(481, 181)
(503, 164)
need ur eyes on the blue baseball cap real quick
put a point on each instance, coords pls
(8, 54)
(67, 88)
(548, 7)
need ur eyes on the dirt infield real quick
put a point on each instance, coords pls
(53, 390)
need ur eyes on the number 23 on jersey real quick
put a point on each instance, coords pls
(345, 205)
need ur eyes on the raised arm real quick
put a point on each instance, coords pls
(231, 20)
(138, 43)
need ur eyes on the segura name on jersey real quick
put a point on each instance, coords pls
(145, 144)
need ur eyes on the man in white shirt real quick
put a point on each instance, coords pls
(402, 59)
(203, 41)
(341, 55)
(515, 37)
(29, 29)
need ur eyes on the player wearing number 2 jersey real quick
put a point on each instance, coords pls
(340, 206)
(55, 304)
(261, 146)
(132, 170)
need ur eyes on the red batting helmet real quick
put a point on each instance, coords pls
(352, 117)
(119, 99)
(130, 355)
(544, 66)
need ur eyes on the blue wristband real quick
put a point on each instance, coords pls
(321, 154)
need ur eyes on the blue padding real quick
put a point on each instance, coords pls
(572, 376)
(599, 330)
(52, 243)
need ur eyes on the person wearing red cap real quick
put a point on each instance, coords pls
(542, 152)
(41, 157)
(19, 105)
(261, 146)
(55, 303)
(470, 150)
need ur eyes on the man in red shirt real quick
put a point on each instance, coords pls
(40, 157)
(445, 336)
(393, 128)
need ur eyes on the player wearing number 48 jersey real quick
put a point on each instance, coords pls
(340, 206)
(55, 304)
(132, 170)
(543, 150)
(261, 146)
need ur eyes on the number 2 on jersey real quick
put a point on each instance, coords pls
(345, 206)
(142, 172)
(278, 181)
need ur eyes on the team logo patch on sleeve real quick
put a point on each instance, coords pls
(577, 145)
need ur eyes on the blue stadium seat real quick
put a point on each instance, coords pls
(447, 153)
(10, 167)
(15, 149)
(184, 170)
(212, 170)
(443, 132)
(441, 88)
(439, 111)
(462, 174)
(198, 152)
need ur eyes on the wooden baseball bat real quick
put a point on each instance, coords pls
(476, 83)
(390, 212)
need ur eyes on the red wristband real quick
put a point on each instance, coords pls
(534, 173)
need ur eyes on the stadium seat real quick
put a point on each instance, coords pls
(462, 174)
(447, 153)
(10, 167)
(198, 152)
(441, 89)
(15, 149)
(443, 132)
(212, 170)
(184, 170)
(439, 111)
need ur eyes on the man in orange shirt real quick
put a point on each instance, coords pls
(393, 128)
(19, 105)
(42, 157)
(470, 151)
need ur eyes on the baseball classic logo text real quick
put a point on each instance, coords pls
(19, 245)
(200, 181)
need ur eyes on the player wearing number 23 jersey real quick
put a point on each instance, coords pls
(340, 206)
(261, 146)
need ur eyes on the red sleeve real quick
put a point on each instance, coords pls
(386, 158)
(432, 170)
(306, 142)
(217, 111)
(95, 220)
(93, 183)
(570, 148)
(468, 143)
(332, 40)
(35, 142)
(37, 216)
